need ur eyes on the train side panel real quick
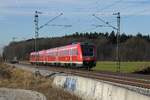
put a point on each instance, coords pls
(51, 56)
(41, 57)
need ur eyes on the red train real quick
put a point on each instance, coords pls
(75, 55)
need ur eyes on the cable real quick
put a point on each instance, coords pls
(111, 5)
(50, 21)
(90, 29)
(107, 23)
(133, 14)
(97, 3)
(56, 25)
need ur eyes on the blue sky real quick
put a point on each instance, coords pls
(16, 17)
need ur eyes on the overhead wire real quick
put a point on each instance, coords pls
(135, 13)
(111, 5)
(108, 7)
(117, 2)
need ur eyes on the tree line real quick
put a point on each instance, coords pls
(131, 47)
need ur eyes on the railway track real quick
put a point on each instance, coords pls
(127, 80)
(116, 79)
(142, 81)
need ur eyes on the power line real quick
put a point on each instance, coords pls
(50, 21)
(105, 22)
(97, 3)
(91, 29)
(111, 5)
(117, 2)
(60, 25)
(135, 13)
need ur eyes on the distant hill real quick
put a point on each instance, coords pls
(1, 50)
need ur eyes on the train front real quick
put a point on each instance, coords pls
(88, 54)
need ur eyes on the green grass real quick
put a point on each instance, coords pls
(126, 67)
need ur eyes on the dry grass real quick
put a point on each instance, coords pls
(15, 78)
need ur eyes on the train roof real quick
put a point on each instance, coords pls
(73, 45)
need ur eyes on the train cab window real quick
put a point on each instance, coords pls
(87, 50)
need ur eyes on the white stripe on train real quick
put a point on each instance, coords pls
(56, 62)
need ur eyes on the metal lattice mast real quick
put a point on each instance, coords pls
(36, 20)
(118, 41)
(36, 29)
(117, 35)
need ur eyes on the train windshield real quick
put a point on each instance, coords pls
(87, 50)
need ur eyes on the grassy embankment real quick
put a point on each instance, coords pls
(11, 77)
(126, 67)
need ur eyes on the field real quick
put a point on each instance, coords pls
(125, 67)
(11, 77)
